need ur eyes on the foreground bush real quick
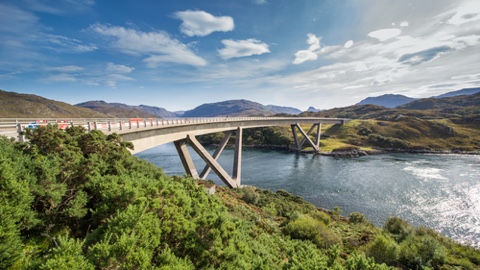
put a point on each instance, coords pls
(76, 200)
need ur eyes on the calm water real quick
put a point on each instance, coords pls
(439, 191)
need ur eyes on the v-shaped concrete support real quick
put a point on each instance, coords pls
(306, 137)
(211, 161)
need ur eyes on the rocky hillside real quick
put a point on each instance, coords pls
(238, 108)
(15, 105)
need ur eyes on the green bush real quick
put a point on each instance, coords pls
(387, 142)
(398, 227)
(422, 251)
(356, 217)
(384, 249)
(307, 228)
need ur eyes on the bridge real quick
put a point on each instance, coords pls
(146, 133)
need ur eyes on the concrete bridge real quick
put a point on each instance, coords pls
(147, 133)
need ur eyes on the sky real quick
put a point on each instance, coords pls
(180, 54)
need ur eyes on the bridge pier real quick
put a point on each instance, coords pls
(211, 160)
(306, 138)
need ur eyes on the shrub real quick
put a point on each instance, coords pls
(307, 228)
(250, 195)
(356, 217)
(387, 142)
(384, 249)
(398, 227)
(422, 251)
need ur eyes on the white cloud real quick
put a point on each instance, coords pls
(201, 23)
(348, 44)
(65, 69)
(466, 12)
(112, 79)
(242, 48)
(260, 2)
(119, 68)
(304, 55)
(65, 44)
(314, 42)
(62, 77)
(385, 34)
(158, 46)
(404, 24)
(311, 53)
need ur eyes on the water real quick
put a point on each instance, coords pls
(438, 191)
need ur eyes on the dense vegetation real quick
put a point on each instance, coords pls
(76, 200)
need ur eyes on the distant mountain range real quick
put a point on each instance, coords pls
(24, 105)
(463, 106)
(393, 101)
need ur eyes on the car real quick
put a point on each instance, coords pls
(32, 125)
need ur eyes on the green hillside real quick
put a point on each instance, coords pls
(15, 105)
(76, 200)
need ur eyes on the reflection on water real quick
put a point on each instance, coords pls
(439, 191)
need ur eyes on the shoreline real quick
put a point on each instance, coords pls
(358, 152)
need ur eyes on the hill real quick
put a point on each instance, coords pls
(427, 108)
(16, 105)
(388, 100)
(237, 108)
(465, 91)
(115, 109)
(444, 103)
(159, 112)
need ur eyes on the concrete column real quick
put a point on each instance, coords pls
(216, 154)
(216, 167)
(21, 136)
(237, 158)
(186, 159)
(295, 137)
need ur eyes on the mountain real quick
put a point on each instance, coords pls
(114, 109)
(123, 110)
(282, 109)
(237, 108)
(388, 100)
(16, 105)
(159, 112)
(465, 91)
(443, 103)
(312, 109)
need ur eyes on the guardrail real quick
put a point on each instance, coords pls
(13, 127)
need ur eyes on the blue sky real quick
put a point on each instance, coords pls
(181, 54)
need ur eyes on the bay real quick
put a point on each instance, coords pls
(441, 192)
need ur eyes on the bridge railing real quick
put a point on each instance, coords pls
(13, 127)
